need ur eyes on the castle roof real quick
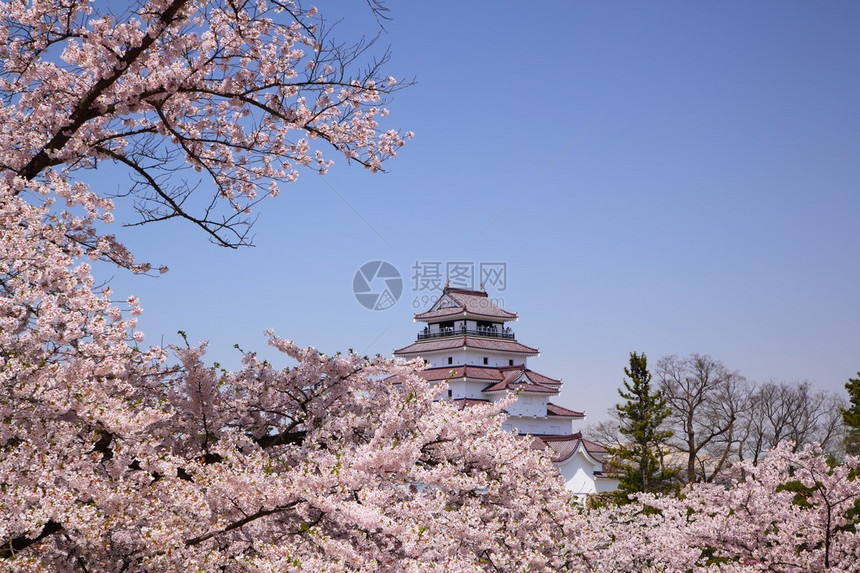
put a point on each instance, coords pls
(475, 372)
(559, 411)
(520, 387)
(563, 447)
(520, 378)
(467, 326)
(464, 402)
(455, 342)
(491, 373)
(462, 302)
(533, 376)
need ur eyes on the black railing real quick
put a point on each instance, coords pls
(491, 332)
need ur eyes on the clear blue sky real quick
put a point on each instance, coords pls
(667, 177)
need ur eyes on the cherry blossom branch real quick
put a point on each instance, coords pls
(212, 228)
(15, 545)
(83, 111)
(241, 523)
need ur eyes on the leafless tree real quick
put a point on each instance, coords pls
(706, 400)
(789, 411)
(606, 432)
(718, 417)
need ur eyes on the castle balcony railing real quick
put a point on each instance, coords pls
(488, 332)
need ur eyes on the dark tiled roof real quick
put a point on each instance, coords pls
(474, 372)
(501, 379)
(594, 448)
(555, 410)
(463, 402)
(522, 386)
(520, 378)
(541, 379)
(565, 446)
(562, 446)
(511, 375)
(472, 302)
(454, 342)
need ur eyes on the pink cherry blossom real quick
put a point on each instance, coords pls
(115, 456)
(119, 457)
(793, 512)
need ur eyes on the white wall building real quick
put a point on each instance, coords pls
(465, 341)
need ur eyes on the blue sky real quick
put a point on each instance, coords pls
(666, 177)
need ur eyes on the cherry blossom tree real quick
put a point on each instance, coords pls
(111, 459)
(792, 512)
(237, 91)
(322, 465)
(116, 457)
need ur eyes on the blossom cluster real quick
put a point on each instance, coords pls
(792, 512)
(239, 93)
(117, 456)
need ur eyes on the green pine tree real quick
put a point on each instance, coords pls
(851, 417)
(640, 460)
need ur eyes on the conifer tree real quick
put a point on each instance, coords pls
(640, 459)
(851, 417)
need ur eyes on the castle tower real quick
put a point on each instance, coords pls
(467, 341)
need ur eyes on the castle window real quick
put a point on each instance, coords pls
(486, 360)
(511, 362)
(450, 360)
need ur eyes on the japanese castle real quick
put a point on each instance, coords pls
(466, 341)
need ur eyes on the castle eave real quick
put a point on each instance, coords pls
(425, 347)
